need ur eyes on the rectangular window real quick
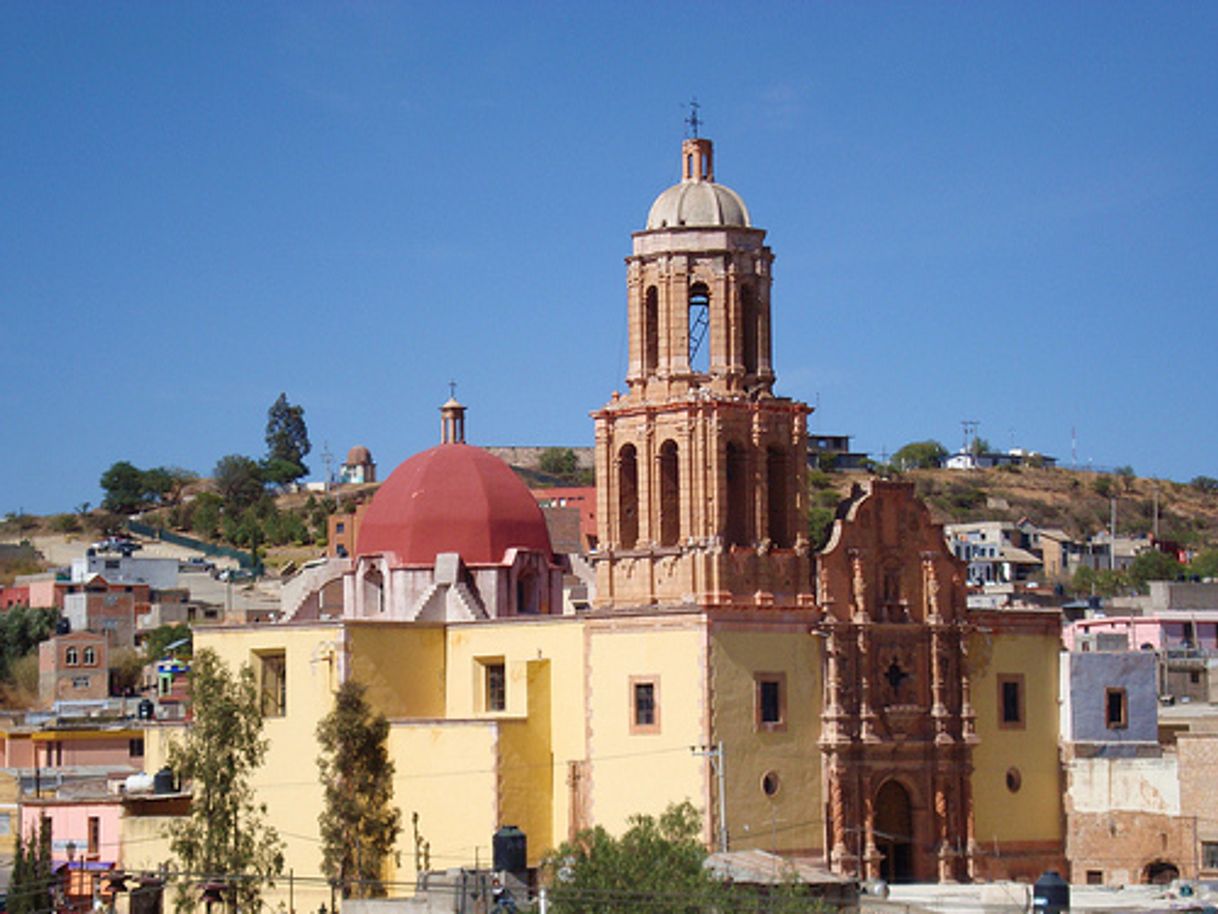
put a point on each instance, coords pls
(770, 701)
(1116, 709)
(94, 836)
(1095, 877)
(135, 747)
(496, 686)
(1011, 701)
(644, 704)
(339, 527)
(80, 682)
(6, 824)
(1209, 855)
(272, 669)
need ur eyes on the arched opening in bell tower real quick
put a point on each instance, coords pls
(628, 496)
(736, 530)
(748, 318)
(699, 328)
(651, 331)
(776, 488)
(670, 495)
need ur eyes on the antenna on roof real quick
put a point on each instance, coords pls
(452, 389)
(693, 122)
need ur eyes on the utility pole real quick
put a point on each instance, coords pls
(1112, 541)
(715, 755)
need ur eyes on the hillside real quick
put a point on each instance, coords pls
(1075, 501)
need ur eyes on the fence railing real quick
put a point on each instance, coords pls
(244, 559)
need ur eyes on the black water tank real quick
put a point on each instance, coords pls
(63, 626)
(162, 781)
(510, 850)
(147, 709)
(1051, 894)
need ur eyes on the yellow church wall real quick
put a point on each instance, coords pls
(526, 766)
(446, 773)
(288, 782)
(1033, 814)
(543, 721)
(643, 772)
(791, 820)
(401, 666)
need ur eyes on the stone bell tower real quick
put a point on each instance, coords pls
(700, 469)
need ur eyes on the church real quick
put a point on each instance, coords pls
(842, 706)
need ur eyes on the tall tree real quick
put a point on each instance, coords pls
(225, 832)
(31, 880)
(358, 824)
(287, 442)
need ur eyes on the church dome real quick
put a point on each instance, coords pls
(453, 498)
(697, 201)
(358, 456)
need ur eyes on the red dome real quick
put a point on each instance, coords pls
(453, 498)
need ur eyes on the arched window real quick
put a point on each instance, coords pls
(776, 485)
(670, 495)
(651, 330)
(748, 318)
(736, 531)
(90, 656)
(699, 327)
(71, 657)
(628, 496)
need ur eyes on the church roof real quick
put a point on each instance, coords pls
(452, 498)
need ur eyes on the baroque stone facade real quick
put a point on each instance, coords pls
(898, 725)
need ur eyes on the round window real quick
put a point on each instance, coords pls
(770, 783)
(1014, 780)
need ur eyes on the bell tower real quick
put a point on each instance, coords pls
(700, 467)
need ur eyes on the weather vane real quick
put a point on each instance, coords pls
(693, 121)
(452, 390)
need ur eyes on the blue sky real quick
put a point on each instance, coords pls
(993, 211)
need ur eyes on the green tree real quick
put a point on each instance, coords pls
(1204, 564)
(22, 629)
(1153, 565)
(239, 482)
(558, 461)
(205, 514)
(157, 641)
(1204, 484)
(656, 865)
(287, 442)
(1102, 486)
(31, 880)
(980, 446)
(225, 831)
(123, 484)
(919, 455)
(359, 823)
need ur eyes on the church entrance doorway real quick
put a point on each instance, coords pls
(893, 828)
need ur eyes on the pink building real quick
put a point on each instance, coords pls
(1162, 631)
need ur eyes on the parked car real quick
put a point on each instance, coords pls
(233, 575)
